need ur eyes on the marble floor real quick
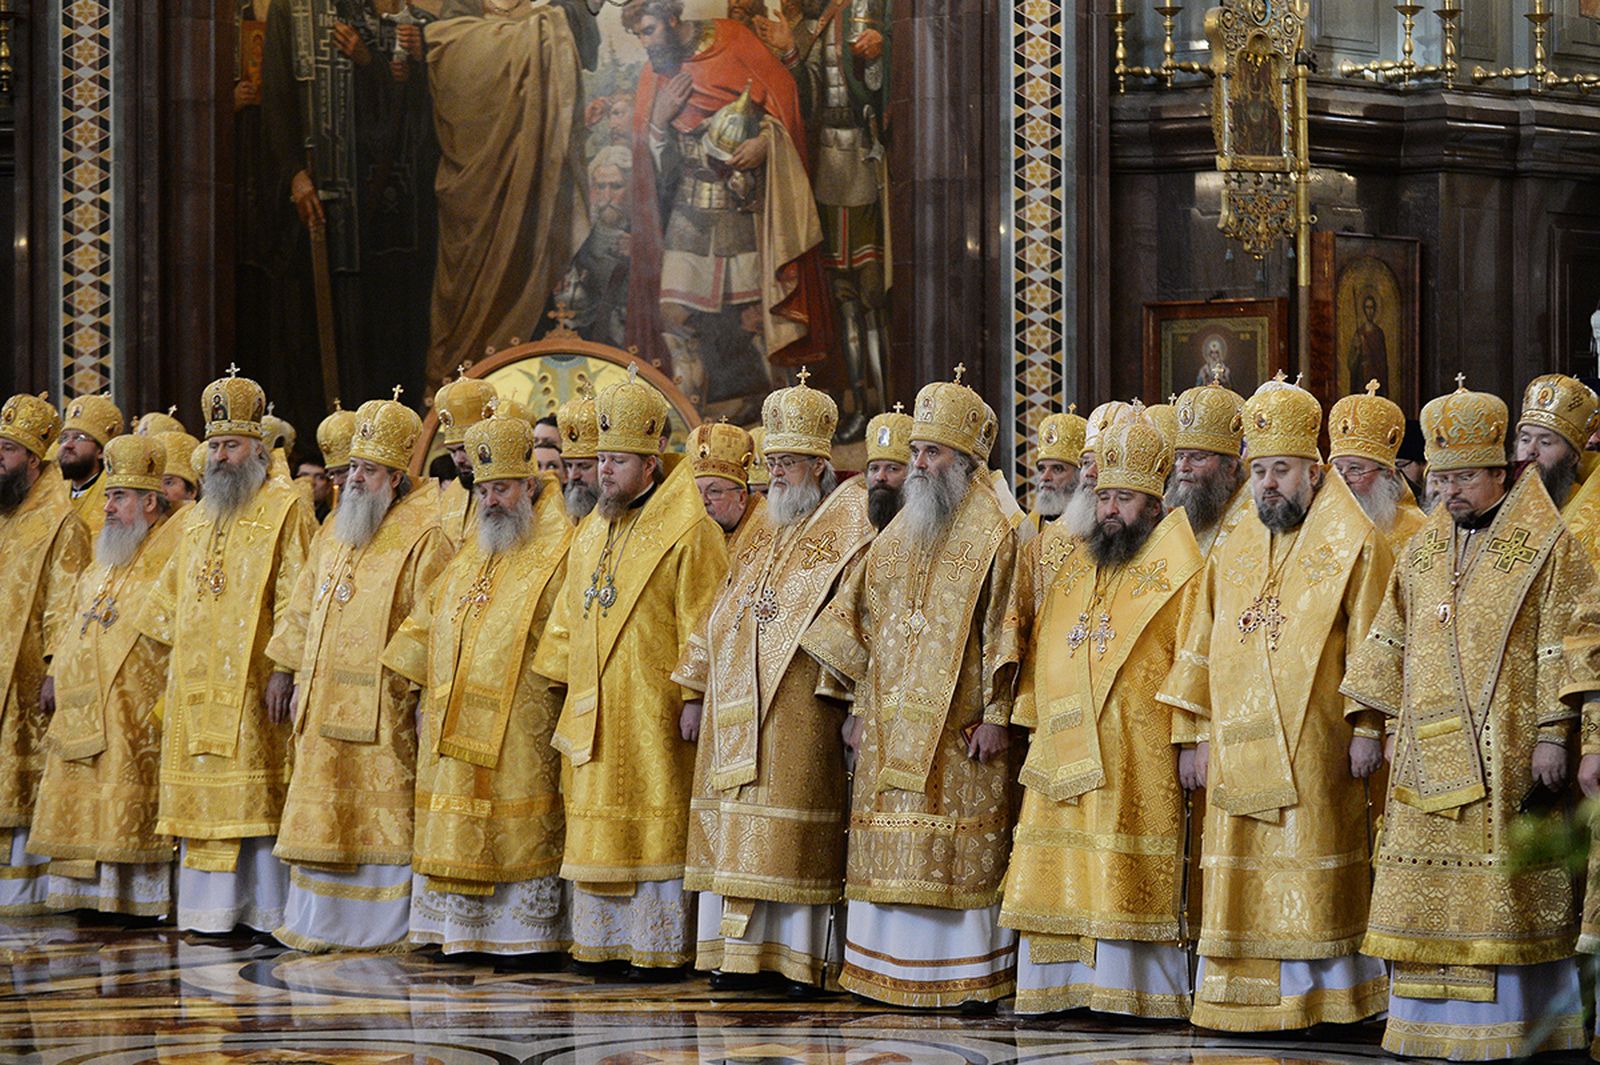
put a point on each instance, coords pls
(89, 993)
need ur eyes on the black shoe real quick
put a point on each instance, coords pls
(800, 991)
(549, 961)
(601, 970)
(723, 981)
(650, 974)
(977, 1009)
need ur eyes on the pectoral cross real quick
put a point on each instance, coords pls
(1103, 634)
(1078, 635)
(103, 610)
(477, 596)
(1263, 613)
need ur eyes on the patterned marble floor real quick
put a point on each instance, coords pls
(97, 994)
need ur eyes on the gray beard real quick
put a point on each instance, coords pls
(580, 499)
(1052, 502)
(1382, 501)
(502, 530)
(790, 504)
(229, 487)
(1203, 501)
(931, 500)
(360, 514)
(1079, 517)
(116, 543)
(1559, 481)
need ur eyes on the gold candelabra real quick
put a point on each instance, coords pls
(1541, 76)
(1171, 66)
(1406, 69)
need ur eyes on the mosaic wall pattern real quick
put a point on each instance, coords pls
(86, 197)
(1040, 154)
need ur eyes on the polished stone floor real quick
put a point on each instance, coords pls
(84, 993)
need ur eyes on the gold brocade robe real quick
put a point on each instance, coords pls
(458, 513)
(97, 800)
(224, 765)
(46, 547)
(736, 540)
(925, 633)
(1098, 847)
(767, 817)
(1408, 521)
(1285, 843)
(355, 753)
(1469, 682)
(90, 505)
(1582, 515)
(488, 800)
(629, 770)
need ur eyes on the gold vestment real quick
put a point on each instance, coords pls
(224, 765)
(1098, 850)
(488, 800)
(1285, 843)
(46, 548)
(90, 505)
(355, 749)
(1582, 515)
(458, 513)
(97, 800)
(1471, 672)
(1408, 521)
(767, 817)
(629, 771)
(1240, 505)
(925, 634)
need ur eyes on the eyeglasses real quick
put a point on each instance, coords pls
(1457, 478)
(785, 462)
(716, 495)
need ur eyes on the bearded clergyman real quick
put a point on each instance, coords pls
(1559, 414)
(1207, 472)
(924, 632)
(1486, 647)
(225, 752)
(1095, 884)
(888, 461)
(1365, 432)
(644, 568)
(347, 820)
(488, 795)
(1284, 602)
(96, 813)
(461, 404)
(1078, 519)
(767, 830)
(580, 437)
(1055, 466)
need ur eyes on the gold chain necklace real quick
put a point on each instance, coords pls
(607, 594)
(341, 576)
(209, 575)
(481, 590)
(758, 593)
(104, 607)
(1458, 569)
(1266, 612)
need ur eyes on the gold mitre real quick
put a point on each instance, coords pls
(233, 406)
(333, 437)
(501, 448)
(386, 432)
(180, 449)
(950, 413)
(460, 405)
(719, 449)
(1465, 430)
(277, 432)
(1282, 420)
(1100, 419)
(1061, 436)
(1134, 454)
(1564, 404)
(136, 462)
(31, 421)
(579, 426)
(1164, 416)
(507, 407)
(1210, 418)
(95, 415)
(889, 437)
(197, 461)
(758, 457)
(1366, 426)
(159, 422)
(800, 420)
(632, 417)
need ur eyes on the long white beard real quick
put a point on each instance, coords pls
(229, 486)
(116, 543)
(1079, 518)
(1382, 500)
(502, 530)
(360, 513)
(932, 499)
(790, 504)
(1052, 502)
(580, 499)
